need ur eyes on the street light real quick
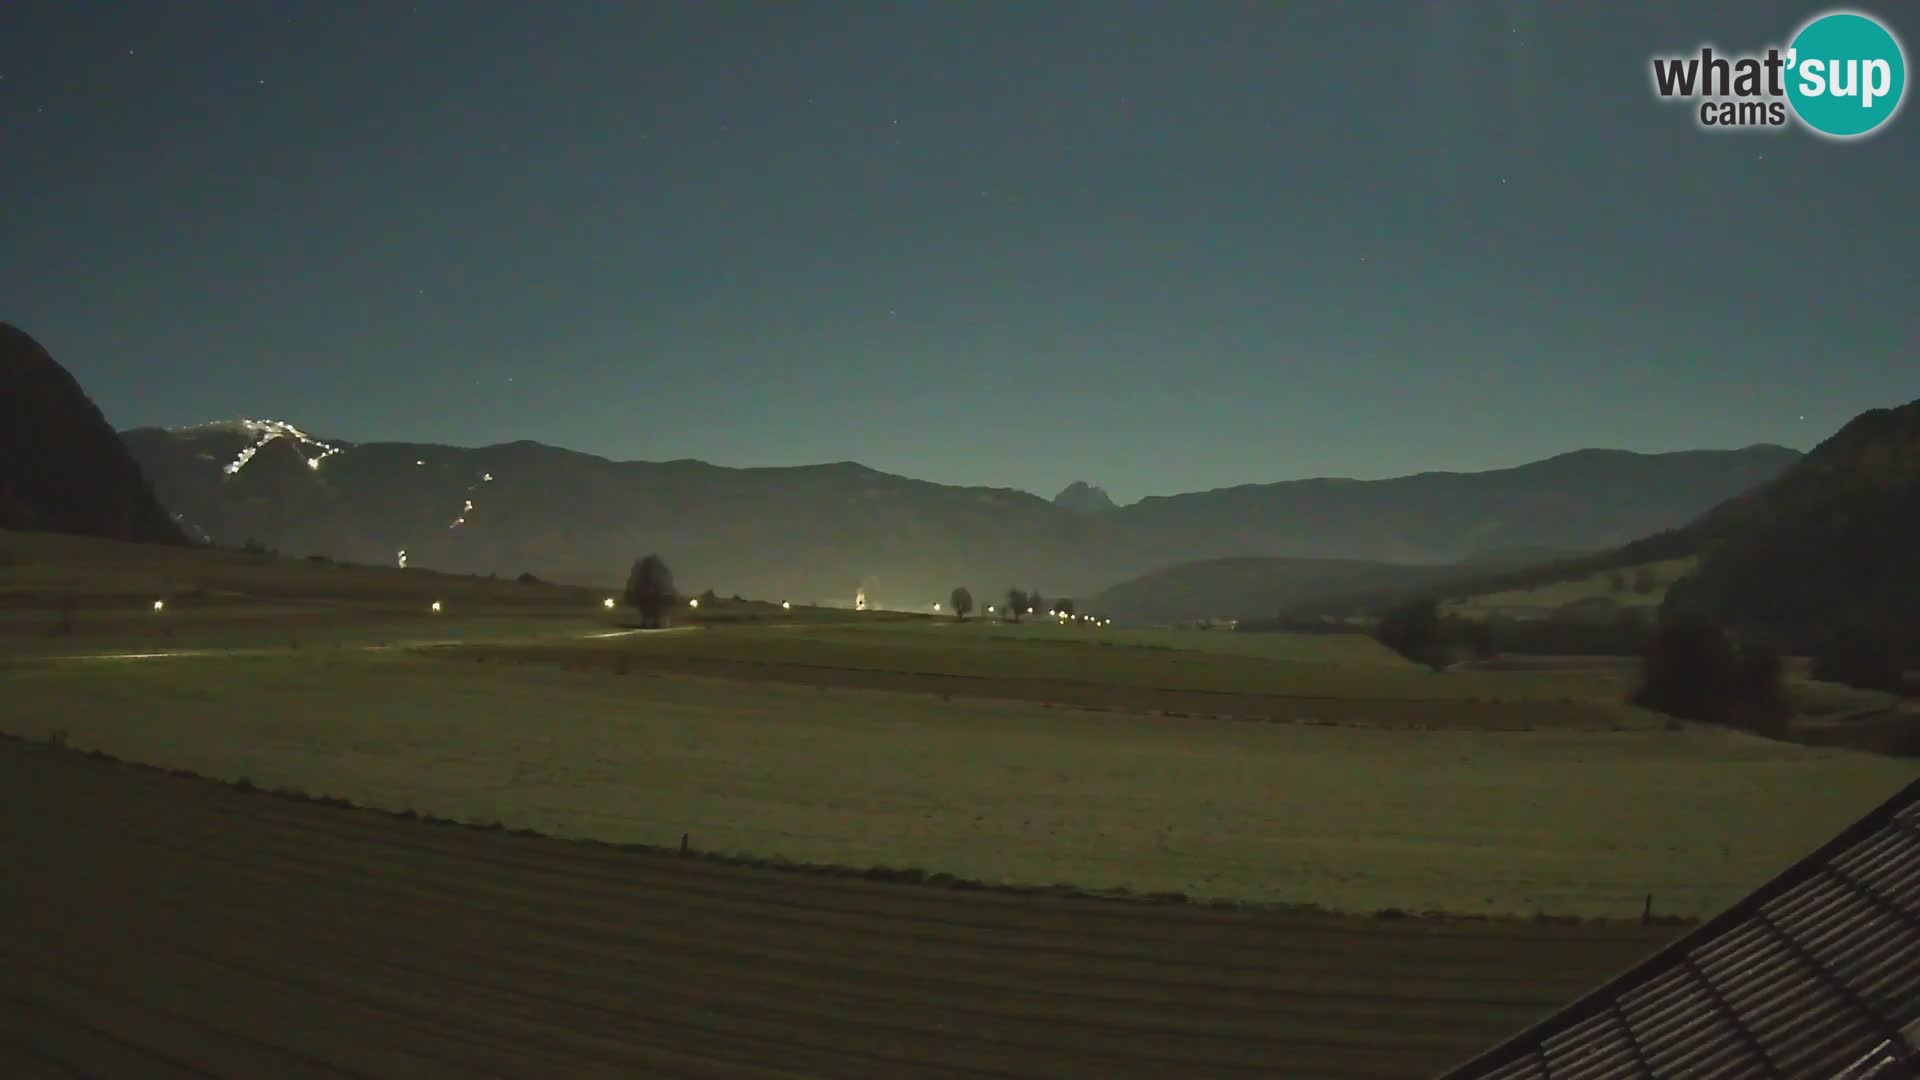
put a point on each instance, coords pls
(159, 605)
(607, 603)
(694, 603)
(786, 605)
(436, 607)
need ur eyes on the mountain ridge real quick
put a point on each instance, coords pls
(813, 532)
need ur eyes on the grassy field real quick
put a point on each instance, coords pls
(1559, 821)
(171, 926)
(1332, 666)
(1291, 778)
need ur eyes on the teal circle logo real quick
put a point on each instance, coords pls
(1846, 74)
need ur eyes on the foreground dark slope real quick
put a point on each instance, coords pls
(62, 468)
(162, 925)
(1833, 541)
(820, 532)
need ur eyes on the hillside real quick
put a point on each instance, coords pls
(1585, 500)
(1827, 543)
(1249, 587)
(1832, 541)
(818, 532)
(62, 469)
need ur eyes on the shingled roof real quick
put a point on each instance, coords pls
(1816, 974)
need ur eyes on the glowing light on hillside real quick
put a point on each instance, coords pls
(989, 609)
(436, 607)
(403, 558)
(607, 603)
(486, 478)
(419, 463)
(786, 605)
(159, 605)
(936, 605)
(265, 431)
(694, 603)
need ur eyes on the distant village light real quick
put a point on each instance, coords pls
(695, 602)
(436, 606)
(786, 605)
(159, 605)
(936, 605)
(608, 603)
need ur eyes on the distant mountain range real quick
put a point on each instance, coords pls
(1831, 543)
(818, 532)
(61, 467)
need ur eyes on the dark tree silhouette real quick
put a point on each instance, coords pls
(1693, 671)
(1688, 672)
(650, 590)
(1413, 630)
(962, 603)
(1869, 657)
(1017, 601)
(1037, 602)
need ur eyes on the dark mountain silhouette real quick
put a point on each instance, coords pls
(1084, 498)
(818, 532)
(1831, 542)
(62, 469)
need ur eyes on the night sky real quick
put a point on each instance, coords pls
(1159, 247)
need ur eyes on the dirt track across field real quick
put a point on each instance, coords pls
(156, 924)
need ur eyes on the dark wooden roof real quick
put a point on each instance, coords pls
(1816, 974)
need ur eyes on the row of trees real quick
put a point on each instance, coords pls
(650, 591)
(1019, 602)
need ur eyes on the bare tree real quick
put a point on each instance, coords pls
(962, 603)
